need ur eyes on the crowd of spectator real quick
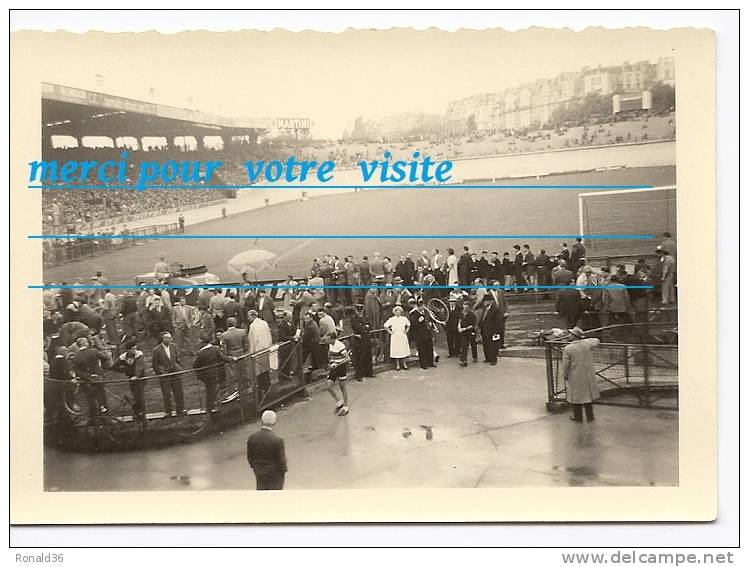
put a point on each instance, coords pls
(90, 332)
(62, 209)
(487, 143)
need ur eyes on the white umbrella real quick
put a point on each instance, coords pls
(251, 261)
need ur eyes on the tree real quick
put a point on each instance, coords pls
(363, 130)
(581, 110)
(664, 97)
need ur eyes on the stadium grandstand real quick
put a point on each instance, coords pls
(78, 124)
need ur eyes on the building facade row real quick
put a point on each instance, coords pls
(533, 104)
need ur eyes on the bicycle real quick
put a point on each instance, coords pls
(110, 430)
(438, 311)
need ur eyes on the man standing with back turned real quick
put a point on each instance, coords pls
(266, 454)
(579, 375)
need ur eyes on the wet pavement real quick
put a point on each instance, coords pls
(481, 426)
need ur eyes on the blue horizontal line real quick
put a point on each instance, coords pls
(336, 236)
(305, 286)
(363, 186)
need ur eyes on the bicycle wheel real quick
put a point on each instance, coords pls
(439, 310)
(75, 399)
(226, 393)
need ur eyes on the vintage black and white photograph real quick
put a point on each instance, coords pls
(514, 326)
(370, 275)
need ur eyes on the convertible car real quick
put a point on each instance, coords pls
(180, 274)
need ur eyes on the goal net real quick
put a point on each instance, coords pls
(623, 212)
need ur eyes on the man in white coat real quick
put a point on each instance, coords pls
(579, 374)
(260, 339)
(259, 334)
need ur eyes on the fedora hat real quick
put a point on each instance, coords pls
(577, 332)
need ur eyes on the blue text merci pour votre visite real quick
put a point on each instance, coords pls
(144, 174)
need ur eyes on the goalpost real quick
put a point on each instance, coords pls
(626, 211)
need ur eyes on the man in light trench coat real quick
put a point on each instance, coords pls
(579, 374)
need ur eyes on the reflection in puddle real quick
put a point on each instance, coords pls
(428, 429)
(182, 479)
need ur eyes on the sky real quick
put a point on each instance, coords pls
(330, 78)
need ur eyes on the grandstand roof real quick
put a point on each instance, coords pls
(78, 112)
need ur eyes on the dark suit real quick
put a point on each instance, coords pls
(501, 303)
(250, 301)
(495, 270)
(159, 320)
(484, 268)
(569, 306)
(163, 364)
(365, 277)
(266, 454)
(311, 345)
(422, 336)
(409, 272)
(87, 365)
(464, 269)
(233, 309)
(518, 271)
(208, 365)
(506, 267)
(468, 336)
(266, 311)
(543, 269)
(67, 296)
(286, 331)
(286, 350)
(491, 326)
(362, 344)
(129, 312)
(451, 330)
(578, 252)
(54, 389)
(474, 270)
(133, 367)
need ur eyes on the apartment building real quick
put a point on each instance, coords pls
(533, 104)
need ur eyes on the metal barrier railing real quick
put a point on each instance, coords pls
(108, 222)
(277, 374)
(610, 261)
(61, 251)
(642, 375)
(105, 413)
(380, 346)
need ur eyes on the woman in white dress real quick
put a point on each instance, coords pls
(452, 267)
(398, 326)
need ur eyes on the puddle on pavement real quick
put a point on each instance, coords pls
(428, 429)
(582, 471)
(428, 433)
(580, 475)
(182, 479)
